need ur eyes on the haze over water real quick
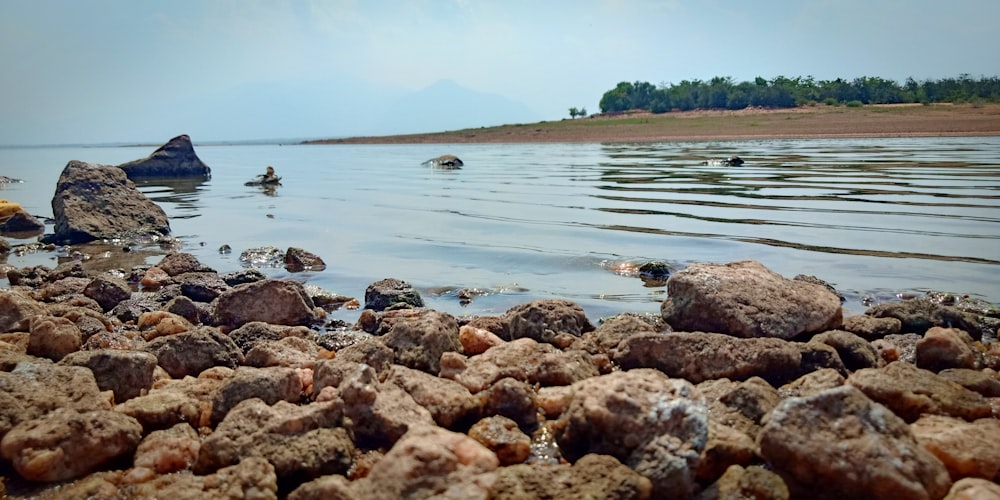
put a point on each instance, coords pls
(874, 217)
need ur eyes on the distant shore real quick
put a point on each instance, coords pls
(898, 120)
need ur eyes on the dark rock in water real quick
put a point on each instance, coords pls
(99, 202)
(391, 293)
(919, 315)
(445, 161)
(22, 222)
(262, 257)
(176, 158)
(9, 180)
(298, 260)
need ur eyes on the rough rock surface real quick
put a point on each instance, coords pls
(190, 353)
(750, 482)
(967, 449)
(252, 477)
(176, 158)
(974, 489)
(502, 436)
(448, 401)
(910, 392)
(127, 374)
(96, 201)
(65, 444)
(391, 293)
(169, 450)
(419, 340)
(918, 315)
(521, 359)
(270, 385)
(656, 425)
(943, 348)
(36, 387)
(53, 337)
(592, 476)
(840, 444)
(705, 356)
(16, 311)
(298, 260)
(543, 320)
(745, 299)
(278, 302)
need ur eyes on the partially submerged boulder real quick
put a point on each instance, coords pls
(445, 161)
(95, 202)
(176, 158)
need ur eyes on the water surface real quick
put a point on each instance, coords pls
(874, 217)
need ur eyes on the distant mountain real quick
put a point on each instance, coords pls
(447, 105)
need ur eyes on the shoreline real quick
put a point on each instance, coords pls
(807, 122)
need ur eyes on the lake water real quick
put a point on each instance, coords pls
(874, 217)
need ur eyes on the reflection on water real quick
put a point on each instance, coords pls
(874, 217)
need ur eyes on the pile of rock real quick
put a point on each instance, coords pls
(181, 382)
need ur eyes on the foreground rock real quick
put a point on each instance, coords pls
(176, 158)
(96, 202)
(200, 385)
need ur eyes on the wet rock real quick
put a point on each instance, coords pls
(919, 315)
(872, 328)
(705, 356)
(202, 287)
(431, 462)
(419, 340)
(513, 399)
(53, 338)
(126, 373)
(174, 159)
(170, 450)
(749, 482)
(745, 299)
(178, 263)
(155, 278)
(302, 442)
(267, 256)
(278, 302)
(189, 353)
(298, 260)
(967, 449)
(94, 202)
(593, 476)
(243, 276)
(522, 359)
(16, 311)
(543, 320)
(292, 352)
(818, 442)
(445, 161)
(502, 436)
(910, 392)
(854, 351)
(66, 444)
(108, 291)
(656, 425)
(270, 385)
(252, 477)
(943, 348)
(22, 222)
(448, 402)
(36, 387)
(391, 293)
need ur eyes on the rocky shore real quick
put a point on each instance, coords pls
(176, 381)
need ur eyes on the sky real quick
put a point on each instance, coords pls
(107, 71)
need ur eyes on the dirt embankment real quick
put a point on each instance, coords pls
(901, 120)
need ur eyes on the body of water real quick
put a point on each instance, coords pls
(876, 218)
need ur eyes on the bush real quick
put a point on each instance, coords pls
(829, 101)
(854, 104)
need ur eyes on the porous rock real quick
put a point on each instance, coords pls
(592, 476)
(274, 301)
(748, 482)
(126, 373)
(169, 450)
(840, 444)
(705, 356)
(855, 352)
(429, 462)
(872, 328)
(967, 449)
(543, 320)
(65, 443)
(36, 387)
(746, 299)
(293, 352)
(919, 315)
(391, 293)
(656, 425)
(96, 201)
(447, 401)
(943, 348)
(108, 291)
(418, 340)
(16, 311)
(253, 477)
(972, 488)
(53, 337)
(190, 352)
(910, 392)
(522, 359)
(298, 260)
(502, 436)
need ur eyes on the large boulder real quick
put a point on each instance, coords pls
(96, 201)
(176, 158)
(274, 301)
(746, 299)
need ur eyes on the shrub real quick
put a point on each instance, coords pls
(854, 104)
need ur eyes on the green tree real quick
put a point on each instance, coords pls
(573, 112)
(583, 112)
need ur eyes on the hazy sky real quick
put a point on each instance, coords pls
(127, 70)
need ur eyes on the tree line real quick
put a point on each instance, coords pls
(781, 92)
